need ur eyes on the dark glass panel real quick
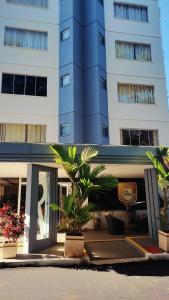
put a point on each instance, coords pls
(144, 138)
(125, 137)
(41, 86)
(134, 134)
(151, 137)
(7, 83)
(30, 85)
(19, 84)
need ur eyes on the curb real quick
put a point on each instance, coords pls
(76, 262)
(45, 262)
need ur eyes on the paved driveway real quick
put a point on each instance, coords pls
(127, 282)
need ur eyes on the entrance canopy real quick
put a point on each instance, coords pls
(24, 152)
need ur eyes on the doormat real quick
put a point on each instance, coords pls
(117, 249)
(153, 249)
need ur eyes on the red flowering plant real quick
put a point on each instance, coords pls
(11, 224)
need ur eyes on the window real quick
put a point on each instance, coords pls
(22, 133)
(127, 50)
(130, 12)
(65, 129)
(103, 83)
(38, 3)
(136, 93)
(101, 2)
(65, 34)
(105, 131)
(139, 137)
(101, 39)
(65, 80)
(24, 85)
(26, 38)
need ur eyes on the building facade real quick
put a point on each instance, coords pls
(82, 71)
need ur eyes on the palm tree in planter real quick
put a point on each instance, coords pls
(84, 180)
(160, 163)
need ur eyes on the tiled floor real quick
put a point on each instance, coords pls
(103, 235)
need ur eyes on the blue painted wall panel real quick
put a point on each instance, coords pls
(83, 104)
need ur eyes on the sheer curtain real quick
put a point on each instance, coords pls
(36, 133)
(39, 3)
(124, 50)
(130, 12)
(144, 94)
(25, 38)
(128, 50)
(12, 133)
(126, 93)
(142, 52)
(136, 93)
(22, 133)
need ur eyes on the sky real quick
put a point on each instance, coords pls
(164, 7)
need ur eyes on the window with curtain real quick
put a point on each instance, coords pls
(37, 3)
(22, 133)
(130, 93)
(130, 12)
(137, 137)
(24, 85)
(133, 51)
(26, 38)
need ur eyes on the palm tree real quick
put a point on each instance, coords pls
(84, 180)
(160, 163)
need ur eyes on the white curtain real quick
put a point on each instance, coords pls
(142, 52)
(39, 3)
(22, 133)
(144, 94)
(36, 133)
(124, 50)
(130, 12)
(126, 93)
(127, 50)
(136, 93)
(12, 133)
(26, 38)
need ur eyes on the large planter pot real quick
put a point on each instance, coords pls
(74, 246)
(163, 240)
(8, 250)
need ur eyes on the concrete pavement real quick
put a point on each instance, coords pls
(137, 281)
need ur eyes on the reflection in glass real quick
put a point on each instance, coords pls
(43, 206)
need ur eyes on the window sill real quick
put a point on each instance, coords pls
(26, 96)
(28, 49)
(132, 21)
(137, 103)
(134, 60)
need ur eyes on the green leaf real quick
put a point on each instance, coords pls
(97, 170)
(72, 153)
(88, 153)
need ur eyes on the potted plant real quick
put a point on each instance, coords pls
(11, 228)
(84, 180)
(160, 163)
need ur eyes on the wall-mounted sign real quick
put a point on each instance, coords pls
(127, 193)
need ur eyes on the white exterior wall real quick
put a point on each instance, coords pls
(127, 115)
(25, 109)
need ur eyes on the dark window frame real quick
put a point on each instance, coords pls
(105, 131)
(62, 126)
(25, 87)
(140, 131)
